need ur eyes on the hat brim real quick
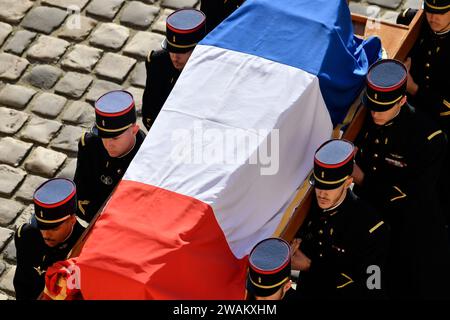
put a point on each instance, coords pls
(374, 106)
(429, 9)
(259, 292)
(44, 226)
(322, 186)
(165, 45)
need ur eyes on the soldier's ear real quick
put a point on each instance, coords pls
(135, 128)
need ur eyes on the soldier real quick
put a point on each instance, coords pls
(342, 237)
(218, 10)
(105, 153)
(398, 163)
(428, 82)
(269, 275)
(184, 29)
(48, 238)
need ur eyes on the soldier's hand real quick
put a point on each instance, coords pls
(411, 85)
(358, 174)
(299, 261)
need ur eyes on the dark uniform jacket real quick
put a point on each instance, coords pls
(34, 257)
(217, 10)
(430, 69)
(342, 243)
(402, 161)
(97, 173)
(161, 78)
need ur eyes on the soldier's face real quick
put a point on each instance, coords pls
(55, 236)
(439, 22)
(381, 118)
(179, 60)
(121, 144)
(329, 198)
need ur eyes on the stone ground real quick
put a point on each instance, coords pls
(56, 58)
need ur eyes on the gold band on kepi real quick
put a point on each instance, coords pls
(437, 6)
(114, 113)
(386, 85)
(333, 164)
(54, 201)
(269, 266)
(184, 29)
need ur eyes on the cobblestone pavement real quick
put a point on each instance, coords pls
(56, 58)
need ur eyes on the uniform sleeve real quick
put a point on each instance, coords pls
(23, 278)
(437, 101)
(153, 97)
(86, 202)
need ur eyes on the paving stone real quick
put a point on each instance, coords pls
(65, 4)
(77, 27)
(48, 104)
(142, 43)
(99, 88)
(44, 19)
(10, 178)
(104, 8)
(11, 120)
(178, 4)
(11, 66)
(3, 297)
(2, 267)
(5, 30)
(67, 139)
(5, 235)
(80, 113)
(43, 76)
(25, 217)
(82, 58)
(45, 162)
(14, 10)
(137, 95)
(391, 4)
(69, 170)
(139, 75)
(16, 96)
(48, 49)
(413, 4)
(390, 16)
(114, 66)
(9, 210)
(40, 130)
(73, 84)
(369, 11)
(26, 190)
(10, 252)
(110, 36)
(137, 14)
(160, 24)
(20, 41)
(13, 151)
(6, 281)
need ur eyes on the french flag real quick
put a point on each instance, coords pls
(225, 157)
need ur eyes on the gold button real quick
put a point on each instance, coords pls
(320, 231)
(321, 255)
(429, 53)
(427, 77)
(427, 65)
(377, 141)
(320, 243)
(375, 155)
(374, 168)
